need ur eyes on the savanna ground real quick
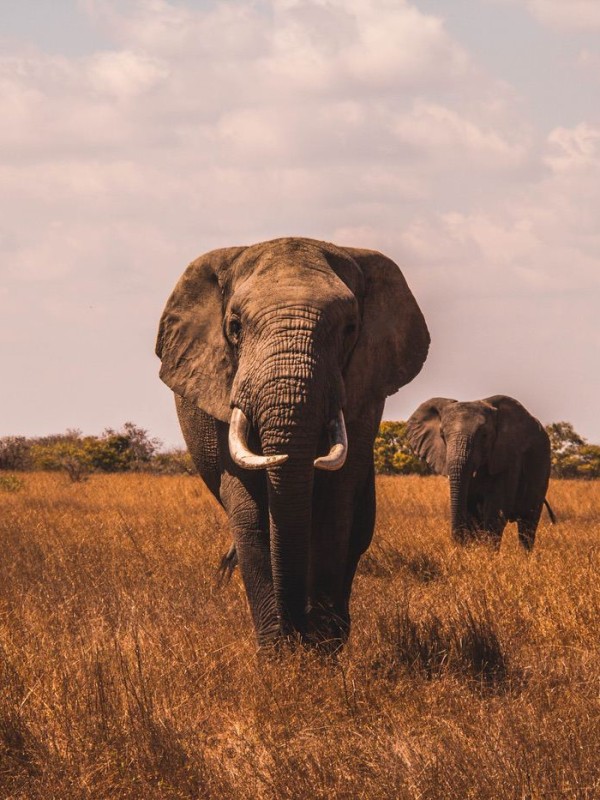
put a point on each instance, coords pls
(126, 672)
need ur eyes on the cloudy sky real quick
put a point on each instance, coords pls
(460, 137)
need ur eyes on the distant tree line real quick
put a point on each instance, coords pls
(132, 449)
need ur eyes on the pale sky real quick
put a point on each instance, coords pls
(460, 137)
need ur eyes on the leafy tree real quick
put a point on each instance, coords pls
(68, 455)
(392, 453)
(589, 461)
(565, 445)
(111, 453)
(134, 445)
(15, 453)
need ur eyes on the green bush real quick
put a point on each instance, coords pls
(10, 483)
(173, 462)
(392, 453)
(572, 456)
(70, 456)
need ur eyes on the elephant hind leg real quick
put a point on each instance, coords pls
(527, 526)
(526, 534)
(532, 493)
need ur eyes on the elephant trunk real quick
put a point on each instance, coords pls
(459, 475)
(288, 398)
(290, 488)
(296, 432)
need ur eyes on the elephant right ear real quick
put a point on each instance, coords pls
(197, 361)
(423, 431)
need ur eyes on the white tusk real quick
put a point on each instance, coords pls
(336, 457)
(238, 445)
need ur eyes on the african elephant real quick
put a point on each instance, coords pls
(497, 459)
(281, 355)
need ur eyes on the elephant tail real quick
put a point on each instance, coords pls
(551, 513)
(227, 565)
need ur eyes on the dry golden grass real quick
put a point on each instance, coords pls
(127, 673)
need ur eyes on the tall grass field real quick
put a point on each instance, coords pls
(126, 671)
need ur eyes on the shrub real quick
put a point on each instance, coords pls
(15, 453)
(173, 462)
(572, 456)
(10, 483)
(132, 446)
(392, 453)
(70, 456)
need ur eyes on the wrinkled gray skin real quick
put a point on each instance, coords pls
(290, 332)
(497, 459)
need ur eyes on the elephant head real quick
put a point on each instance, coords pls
(467, 439)
(287, 341)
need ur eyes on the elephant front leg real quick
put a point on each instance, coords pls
(491, 511)
(246, 505)
(343, 524)
(327, 612)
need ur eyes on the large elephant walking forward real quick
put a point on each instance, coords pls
(281, 356)
(497, 458)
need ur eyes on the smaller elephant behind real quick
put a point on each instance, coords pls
(497, 459)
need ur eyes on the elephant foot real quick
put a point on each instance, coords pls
(462, 536)
(325, 632)
(328, 629)
(275, 647)
(478, 536)
(527, 539)
(489, 539)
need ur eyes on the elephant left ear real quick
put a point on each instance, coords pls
(197, 361)
(393, 340)
(516, 431)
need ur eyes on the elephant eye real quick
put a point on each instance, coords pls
(234, 330)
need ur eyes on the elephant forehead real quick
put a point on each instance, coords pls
(317, 265)
(289, 285)
(467, 414)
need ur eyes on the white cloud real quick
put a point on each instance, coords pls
(564, 14)
(574, 149)
(125, 74)
(451, 135)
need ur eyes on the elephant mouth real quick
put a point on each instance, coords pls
(242, 455)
